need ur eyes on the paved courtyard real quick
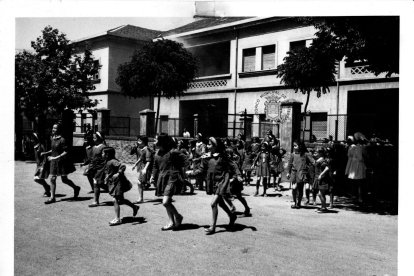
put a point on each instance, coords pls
(68, 238)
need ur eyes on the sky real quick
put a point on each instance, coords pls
(28, 29)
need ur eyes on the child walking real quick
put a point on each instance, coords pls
(117, 184)
(219, 170)
(59, 164)
(322, 178)
(167, 173)
(144, 166)
(298, 171)
(42, 167)
(98, 167)
(262, 164)
(88, 161)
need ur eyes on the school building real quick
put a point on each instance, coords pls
(238, 91)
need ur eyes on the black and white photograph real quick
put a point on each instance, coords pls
(206, 138)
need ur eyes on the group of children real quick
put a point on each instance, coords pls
(222, 165)
(313, 171)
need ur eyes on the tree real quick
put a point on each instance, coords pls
(160, 68)
(52, 79)
(372, 40)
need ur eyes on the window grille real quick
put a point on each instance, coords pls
(359, 70)
(208, 84)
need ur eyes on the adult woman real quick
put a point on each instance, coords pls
(355, 168)
(60, 165)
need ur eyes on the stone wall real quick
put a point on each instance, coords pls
(123, 146)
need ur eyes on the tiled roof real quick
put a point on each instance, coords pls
(204, 23)
(134, 32)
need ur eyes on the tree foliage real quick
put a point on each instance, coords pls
(52, 78)
(371, 39)
(163, 67)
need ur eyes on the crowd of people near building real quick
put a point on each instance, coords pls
(219, 166)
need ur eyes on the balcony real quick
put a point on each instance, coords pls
(216, 82)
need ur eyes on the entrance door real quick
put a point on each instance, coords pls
(212, 116)
(374, 111)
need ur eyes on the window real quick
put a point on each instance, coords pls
(296, 45)
(249, 59)
(268, 57)
(97, 75)
(214, 59)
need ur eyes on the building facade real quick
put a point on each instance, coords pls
(238, 61)
(110, 49)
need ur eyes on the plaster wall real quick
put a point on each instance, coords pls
(125, 106)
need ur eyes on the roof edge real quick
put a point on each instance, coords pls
(220, 26)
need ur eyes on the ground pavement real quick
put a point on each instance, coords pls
(68, 238)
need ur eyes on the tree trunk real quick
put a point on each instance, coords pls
(304, 117)
(158, 113)
(18, 130)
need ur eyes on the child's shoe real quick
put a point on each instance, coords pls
(115, 222)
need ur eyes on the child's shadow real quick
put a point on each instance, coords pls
(274, 195)
(133, 220)
(71, 199)
(59, 195)
(188, 226)
(236, 228)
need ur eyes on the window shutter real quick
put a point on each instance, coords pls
(268, 60)
(249, 59)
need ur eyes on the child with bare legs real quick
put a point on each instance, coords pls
(219, 170)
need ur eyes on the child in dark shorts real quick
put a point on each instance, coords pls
(117, 184)
(42, 167)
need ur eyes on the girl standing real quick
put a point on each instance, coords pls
(117, 184)
(219, 170)
(98, 167)
(42, 168)
(59, 164)
(168, 174)
(298, 166)
(322, 178)
(247, 164)
(88, 159)
(262, 164)
(276, 167)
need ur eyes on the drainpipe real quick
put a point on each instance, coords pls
(337, 101)
(235, 83)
